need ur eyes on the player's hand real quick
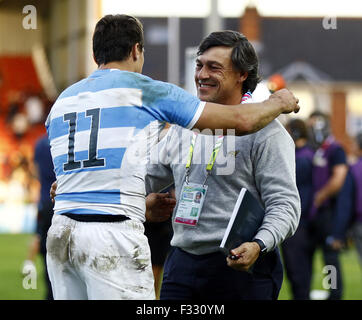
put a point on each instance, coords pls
(337, 244)
(53, 191)
(247, 254)
(159, 207)
(319, 198)
(286, 101)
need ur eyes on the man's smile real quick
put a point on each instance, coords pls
(205, 86)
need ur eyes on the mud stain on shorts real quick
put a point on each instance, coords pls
(100, 263)
(141, 263)
(105, 263)
(58, 244)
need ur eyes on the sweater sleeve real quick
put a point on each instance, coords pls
(274, 165)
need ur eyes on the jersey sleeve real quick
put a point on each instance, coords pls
(169, 103)
(338, 157)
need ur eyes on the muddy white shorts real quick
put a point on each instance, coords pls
(99, 260)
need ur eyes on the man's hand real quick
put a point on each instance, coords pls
(53, 191)
(286, 100)
(248, 252)
(159, 207)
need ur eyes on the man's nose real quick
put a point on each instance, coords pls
(203, 73)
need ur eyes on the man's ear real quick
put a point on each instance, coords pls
(136, 52)
(243, 76)
(94, 58)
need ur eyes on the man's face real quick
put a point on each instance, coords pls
(215, 79)
(319, 128)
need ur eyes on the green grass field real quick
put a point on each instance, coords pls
(13, 252)
(352, 276)
(14, 248)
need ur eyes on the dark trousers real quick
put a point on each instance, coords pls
(207, 277)
(43, 224)
(319, 229)
(298, 262)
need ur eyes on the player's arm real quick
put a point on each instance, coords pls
(333, 186)
(247, 118)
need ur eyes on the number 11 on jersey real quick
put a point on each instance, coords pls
(92, 160)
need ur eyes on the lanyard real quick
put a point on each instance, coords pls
(247, 96)
(212, 160)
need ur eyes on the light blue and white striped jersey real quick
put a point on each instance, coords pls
(101, 130)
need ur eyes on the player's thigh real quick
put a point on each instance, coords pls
(115, 260)
(66, 283)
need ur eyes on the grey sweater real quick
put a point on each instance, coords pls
(263, 163)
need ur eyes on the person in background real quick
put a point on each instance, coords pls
(329, 175)
(296, 248)
(356, 170)
(45, 169)
(45, 173)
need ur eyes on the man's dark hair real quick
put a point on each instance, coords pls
(297, 129)
(114, 36)
(243, 55)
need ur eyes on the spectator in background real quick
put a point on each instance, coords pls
(14, 105)
(46, 176)
(296, 249)
(356, 170)
(1, 84)
(20, 178)
(20, 125)
(16, 117)
(45, 173)
(329, 173)
(34, 108)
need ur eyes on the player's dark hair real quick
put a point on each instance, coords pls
(114, 36)
(243, 55)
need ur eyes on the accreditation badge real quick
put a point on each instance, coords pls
(190, 203)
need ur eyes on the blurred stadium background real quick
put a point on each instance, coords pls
(316, 49)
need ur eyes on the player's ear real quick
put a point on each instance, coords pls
(136, 51)
(94, 58)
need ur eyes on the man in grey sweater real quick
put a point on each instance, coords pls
(263, 163)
